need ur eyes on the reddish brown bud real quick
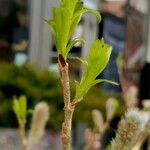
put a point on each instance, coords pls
(62, 60)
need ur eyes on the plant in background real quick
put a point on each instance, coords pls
(112, 105)
(101, 126)
(132, 131)
(130, 96)
(65, 19)
(98, 120)
(36, 85)
(20, 109)
(91, 140)
(40, 117)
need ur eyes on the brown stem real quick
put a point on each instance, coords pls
(68, 107)
(22, 136)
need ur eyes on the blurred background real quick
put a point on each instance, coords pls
(28, 64)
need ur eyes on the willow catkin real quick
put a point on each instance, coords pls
(98, 120)
(129, 129)
(111, 106)
(40, 117)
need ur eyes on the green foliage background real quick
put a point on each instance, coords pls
(38, 86)
(35, 85)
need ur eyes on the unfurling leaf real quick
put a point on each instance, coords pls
(82, 60)
(72, 44)
(104, 80)
(84, 10)
(97, 60)
(51, 25)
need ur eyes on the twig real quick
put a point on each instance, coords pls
(68, 107)
(22, 136)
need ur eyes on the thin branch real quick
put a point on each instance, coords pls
(68, 107)
(23, 136)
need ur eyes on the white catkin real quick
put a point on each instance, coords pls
(40, 117)
(139, 116)
(98, 120)
(130, 127)
(111, 106)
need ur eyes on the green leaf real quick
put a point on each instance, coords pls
(16, 107)
(104, 80)
(97, 13)
(72, 44)
(76, 19)
(83, 91)
(65, 19)
(30, 111)
(79, 6)
(84, 10)
(52, 26)
(58, 21)
(20, 109)
(23, 106)
(97, 60)
(82, 60)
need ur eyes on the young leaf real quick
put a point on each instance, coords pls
(84, 10)
(52, 26)
(65, 19)
(79, 6)
(79, 11)
(30, 111)
(23, 106)
(104, 80)
(82, 60)
(97, 60)
(72, 43)
(16, 108)
(20, 108)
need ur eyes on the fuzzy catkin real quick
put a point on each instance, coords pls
(111, 106)
(98, 120)
(40, 117)
(129, 128)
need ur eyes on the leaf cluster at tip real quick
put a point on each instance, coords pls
(65, 19)
(97, 60)
(20, 109)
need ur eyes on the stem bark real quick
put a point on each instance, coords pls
(68, 107)
(23, 136)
